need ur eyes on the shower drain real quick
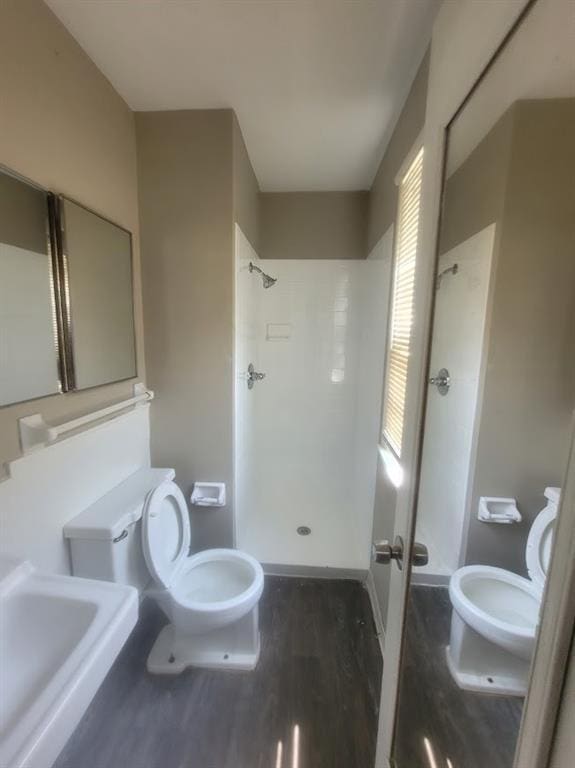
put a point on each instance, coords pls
(303, 530)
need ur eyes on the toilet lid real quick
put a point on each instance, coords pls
(165, 532)
(539, 543)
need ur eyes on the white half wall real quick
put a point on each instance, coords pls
(50, 486)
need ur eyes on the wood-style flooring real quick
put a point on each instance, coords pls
(463, 729)
(317, 683)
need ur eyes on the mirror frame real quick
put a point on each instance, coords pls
(60, 292)
(65, 310)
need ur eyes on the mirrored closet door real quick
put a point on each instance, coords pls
(499, 410)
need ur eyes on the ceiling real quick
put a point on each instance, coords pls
(317, 85)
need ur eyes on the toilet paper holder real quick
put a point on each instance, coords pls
(495, 509)
(208, 494)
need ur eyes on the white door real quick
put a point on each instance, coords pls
(522, 422)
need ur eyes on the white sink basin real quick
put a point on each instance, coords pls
(59, 635)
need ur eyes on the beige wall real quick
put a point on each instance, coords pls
(382, 207)
(313, 225)
(245, 189)
(194, 179)
(63, 126)
(382, 203)
(529, 394)
(475, 192)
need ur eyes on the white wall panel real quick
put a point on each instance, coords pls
(458, 344)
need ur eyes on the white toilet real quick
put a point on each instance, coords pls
(140, 529)
(496, 612)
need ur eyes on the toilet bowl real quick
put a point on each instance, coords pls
(211, 598)
(496, 613)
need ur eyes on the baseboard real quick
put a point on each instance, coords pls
(314, 572)
(429, 579)
(376, 610)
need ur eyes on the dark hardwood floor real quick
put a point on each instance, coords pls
(471, 730)
(320, 670)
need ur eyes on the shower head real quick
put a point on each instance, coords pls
(266, 279)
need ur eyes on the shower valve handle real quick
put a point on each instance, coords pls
(442, 381)
(253, 376)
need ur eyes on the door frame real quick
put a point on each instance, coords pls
(467, 38)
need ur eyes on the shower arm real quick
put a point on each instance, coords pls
(254, 268)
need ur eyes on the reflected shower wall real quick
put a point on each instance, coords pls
(306, 435)
(450, 421)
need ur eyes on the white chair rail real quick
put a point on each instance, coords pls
(36, 433)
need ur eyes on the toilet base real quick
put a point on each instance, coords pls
(233, 647)
(476, 664)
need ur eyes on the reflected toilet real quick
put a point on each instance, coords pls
(496, 614)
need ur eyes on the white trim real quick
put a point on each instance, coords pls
(391, 463)
(376, 611)
(550, 662)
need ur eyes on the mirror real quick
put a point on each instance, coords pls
(499, 410)
(28, 334)
(66, 296)
(97, 259)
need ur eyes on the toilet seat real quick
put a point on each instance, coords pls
(166, 533)
(539, 546)
(204, 591)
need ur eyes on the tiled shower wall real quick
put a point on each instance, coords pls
(301, 431)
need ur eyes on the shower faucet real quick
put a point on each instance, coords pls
(266, 279)
(253, 376)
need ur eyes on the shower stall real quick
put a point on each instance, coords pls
(309, 357)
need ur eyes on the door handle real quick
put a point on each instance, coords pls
(384, 553)
(419, 554)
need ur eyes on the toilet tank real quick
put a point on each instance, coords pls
(105, 539)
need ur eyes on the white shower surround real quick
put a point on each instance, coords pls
(306, 436)
(450, 423)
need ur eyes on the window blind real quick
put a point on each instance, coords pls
(402, 305)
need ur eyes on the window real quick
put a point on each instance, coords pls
(402, 305)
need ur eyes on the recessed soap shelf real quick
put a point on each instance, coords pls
(208, 494)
